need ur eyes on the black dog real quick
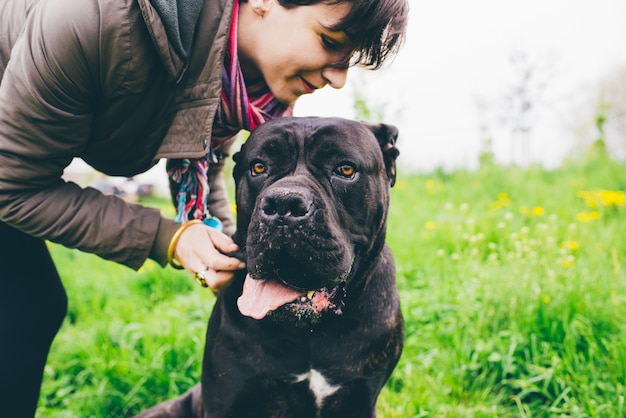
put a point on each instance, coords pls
(314, 329)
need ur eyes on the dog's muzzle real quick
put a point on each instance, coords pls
(287, 206)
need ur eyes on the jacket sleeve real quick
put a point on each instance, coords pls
(12, 16)
(219, 203)
(48, 95)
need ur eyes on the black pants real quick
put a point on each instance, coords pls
(33, 304)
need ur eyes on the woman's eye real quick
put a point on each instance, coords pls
(258, 168)
(346, 170)
(330, 43)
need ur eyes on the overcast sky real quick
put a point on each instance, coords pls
(458, 53)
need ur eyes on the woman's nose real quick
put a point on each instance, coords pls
(335, 77)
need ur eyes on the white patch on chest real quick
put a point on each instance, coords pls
(318, 384)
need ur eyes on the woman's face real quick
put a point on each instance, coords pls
(292, 49)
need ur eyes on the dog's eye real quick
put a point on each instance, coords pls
(258, 168)
(346, 170)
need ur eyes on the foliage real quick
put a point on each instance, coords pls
(513, 291)
(610, 114)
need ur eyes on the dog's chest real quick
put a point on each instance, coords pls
(318, 385)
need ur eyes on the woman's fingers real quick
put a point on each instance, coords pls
(217, 261)
(200, 250)
(222, 242)
(215, 280)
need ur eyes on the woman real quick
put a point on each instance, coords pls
(122, 84)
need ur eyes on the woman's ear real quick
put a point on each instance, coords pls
(260, 7)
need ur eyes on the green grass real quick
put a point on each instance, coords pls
(513, 290)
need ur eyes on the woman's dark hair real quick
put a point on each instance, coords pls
(377, 28)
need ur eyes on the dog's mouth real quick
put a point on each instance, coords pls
(261, 298)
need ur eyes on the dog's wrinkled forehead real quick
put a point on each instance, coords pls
(301, 131)
(285, 138)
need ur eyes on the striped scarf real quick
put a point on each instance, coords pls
(242, 107)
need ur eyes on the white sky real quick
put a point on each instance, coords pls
(459, 50)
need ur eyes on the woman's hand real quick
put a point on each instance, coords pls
(201, 250)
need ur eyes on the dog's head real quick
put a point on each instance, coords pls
(312, 201)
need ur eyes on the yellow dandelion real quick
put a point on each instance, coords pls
(233, 207)
(430, 225)
(570, 245)
(430, 186)
(595, 198)
(503, 201)
(588, 216)
(147, 266)
(588, 197)
(568, 261)
(401, 185)
(583, 216)
(612, 198)
(546, 299)
(537, 211)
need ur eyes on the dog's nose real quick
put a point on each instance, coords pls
(289, 205)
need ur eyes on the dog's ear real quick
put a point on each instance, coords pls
(237, 166)
(387, 136)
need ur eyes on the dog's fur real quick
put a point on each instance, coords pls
(312, 202)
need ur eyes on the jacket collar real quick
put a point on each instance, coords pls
(198, 79)
(172, 25)
(179, 18)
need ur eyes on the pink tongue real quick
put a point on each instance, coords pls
(261, 296)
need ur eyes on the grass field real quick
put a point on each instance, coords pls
(513, 287)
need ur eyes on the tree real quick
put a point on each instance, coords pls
(521, 100)
(610, 112)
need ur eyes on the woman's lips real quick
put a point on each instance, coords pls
(308, 87)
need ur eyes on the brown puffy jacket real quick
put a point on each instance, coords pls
(100, 80)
